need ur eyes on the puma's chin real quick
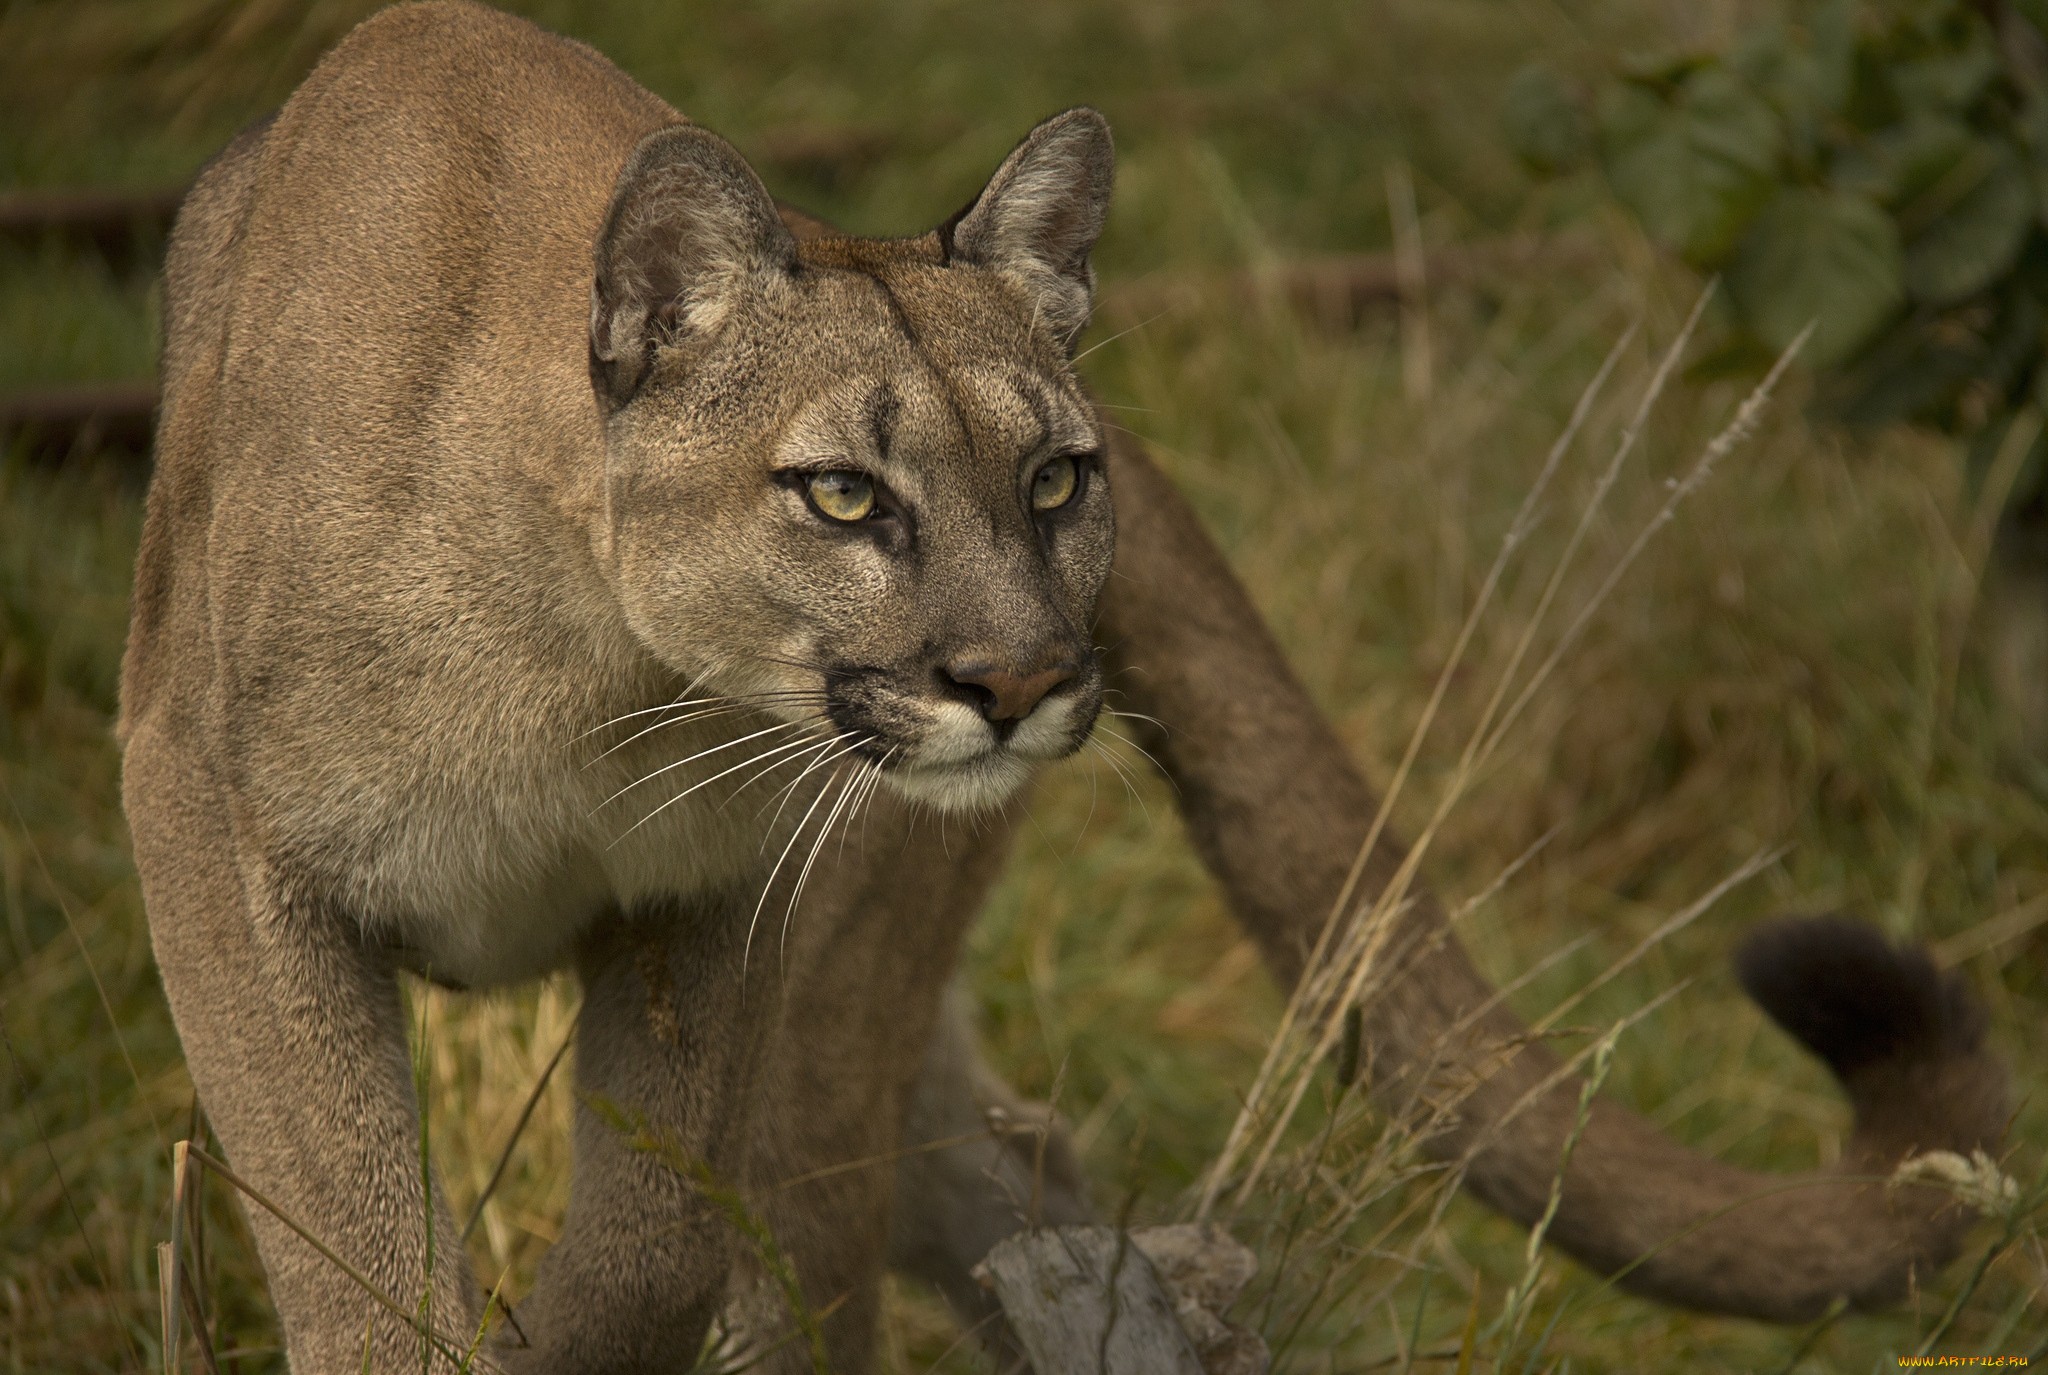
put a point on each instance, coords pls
(980, 784)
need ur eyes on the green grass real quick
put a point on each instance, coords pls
(1796, 662)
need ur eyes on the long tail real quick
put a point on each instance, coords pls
(1278, 813)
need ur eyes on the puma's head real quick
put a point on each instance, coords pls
(856, 479)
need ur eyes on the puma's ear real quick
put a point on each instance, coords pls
(690, 230)
(1039, 215)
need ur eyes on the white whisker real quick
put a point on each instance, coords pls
(671, 721)
(701, 754)
(1094, 790)
(788, 790)
(747, 951)
(804, 875)
(682, 698)
(705, 783)
(1117, 766)
(1125, 739)
(825, 744)
(1105, 343)
(860, 805)
(867, 803)
(705, 707)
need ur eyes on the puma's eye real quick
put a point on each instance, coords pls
(1055, 484)
(847, 497)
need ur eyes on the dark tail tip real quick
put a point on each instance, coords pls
(1855, 999)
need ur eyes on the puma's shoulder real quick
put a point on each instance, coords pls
(420, 215)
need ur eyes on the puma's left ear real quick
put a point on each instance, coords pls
(1039, 215)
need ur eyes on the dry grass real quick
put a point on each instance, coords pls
(1731, 697)
(1795, 663)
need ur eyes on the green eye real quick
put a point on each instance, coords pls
(1055, 484)
(847, 497)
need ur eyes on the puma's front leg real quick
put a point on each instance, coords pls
(868, 959)
(295, 1038)
(666, 1052)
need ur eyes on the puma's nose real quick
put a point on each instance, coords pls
(1004, 693)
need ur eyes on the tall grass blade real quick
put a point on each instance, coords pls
(170, 1254)
(1310, 989)
(526, 1110)
(167, 1301)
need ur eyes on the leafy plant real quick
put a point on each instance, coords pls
(1876, 167)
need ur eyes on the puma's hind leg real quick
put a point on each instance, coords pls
(979, 1163)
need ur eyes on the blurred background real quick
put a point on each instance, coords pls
(1364, 260)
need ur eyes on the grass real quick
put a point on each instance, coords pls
(1796, 662)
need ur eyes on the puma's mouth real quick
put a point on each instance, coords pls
(947, 755)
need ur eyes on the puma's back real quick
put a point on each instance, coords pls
(329, 270)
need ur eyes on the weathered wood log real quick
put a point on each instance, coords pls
(1204, 1269)
(826, 155)
(117, 223)
(1337, 293)
(55, 423)
(1086, 1301)
(1340, 292)
(1098, 1301)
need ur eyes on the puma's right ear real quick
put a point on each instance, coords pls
(1038, 218)
(690, 229)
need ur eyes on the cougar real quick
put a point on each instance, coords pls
(554, 549)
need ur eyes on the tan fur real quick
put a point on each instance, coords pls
(480, 369)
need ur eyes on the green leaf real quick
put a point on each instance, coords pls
(1663, 69)
(1951, 79)
(2032, 126)
(1903, 162)
(1913, 372)
(2012, 344)
(1978, 237)
(1545, 124)
(1821, 256)
(1831, 30)
(1694, 168)
(1788, 75)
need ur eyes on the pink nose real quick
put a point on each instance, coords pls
(1004, 693)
